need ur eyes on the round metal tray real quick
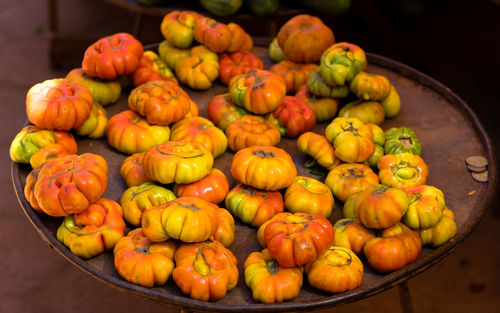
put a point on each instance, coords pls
(449, 132)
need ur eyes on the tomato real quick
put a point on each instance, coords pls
(396, 247)
(308, 195)
(377, 206)
(254, 206)
(258, 91)
(270, 282)
(200, 129)
(94, 230)
(180, 162)
(205, 270)
(140, 261)
(350, 178)
(336, 270)
(212, 188)
(403, 170)
(251, 130)
(137, 199)
(112, 56)
(199, 218)
(351, 138)
(263, 167)
(297, 239)
(295, 74)
(161, 102)
(293, 117)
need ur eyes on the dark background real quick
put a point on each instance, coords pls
(455, 42)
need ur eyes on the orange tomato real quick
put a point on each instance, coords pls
(304, 38)
(299, 238)
(308, 195)
(396, 247)
(351, 138)
(177, 27)
(401, 171)
(350, 233)
(270, 282)
(132, 171)
(130, 133)
(377, 206)
(336, 270)
(226, 230)
(318, 148)
(161, 102)
(295, 74)
(137, 199)
(68, 184)
(324, 108)
(293, 117)
(263, 167)
(350, 178)
(205, 271)
(140, 261)
(199, 217)
(258, 91)
(212, 188)
(152, 67)
(50, 151)
(94, 230)
(212, 34)
(58, 104)
(240, 39)
(237, 63)
(251, 130)
(200, 129)
(199, 70)
(112, 56)
(180, 162)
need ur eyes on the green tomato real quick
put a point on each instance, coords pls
(378, 134)
(95, 125)
(263, 7)
(377, 154)
(318, 87)
(341, 62)
(28, 141)
(137, 199)
(104, 92)
(171, 55)
(275, 53)
(222, 7)
(392, 103)
(401, 139)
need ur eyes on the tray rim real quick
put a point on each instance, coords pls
(388, 281)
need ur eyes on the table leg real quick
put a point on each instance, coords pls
(52, 19)
(137, 25)
(404, 297)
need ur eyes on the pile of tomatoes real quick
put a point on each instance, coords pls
(172, 201)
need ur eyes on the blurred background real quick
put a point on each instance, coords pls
(455, 42)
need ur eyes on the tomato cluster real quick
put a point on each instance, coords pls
(173, 193)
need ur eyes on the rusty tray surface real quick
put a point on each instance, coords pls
(448, 130)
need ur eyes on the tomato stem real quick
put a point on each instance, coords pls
(272, 266)
(263, 154)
